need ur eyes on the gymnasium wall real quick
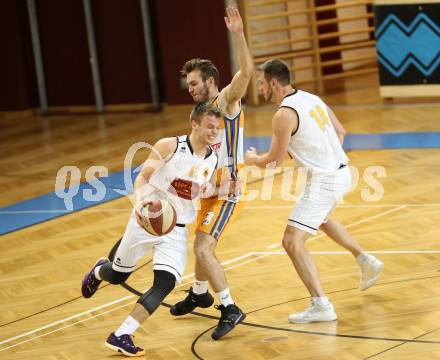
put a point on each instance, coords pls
(17, 76)
(191, 29)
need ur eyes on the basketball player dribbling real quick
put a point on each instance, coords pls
(203, 80)
(178, 169)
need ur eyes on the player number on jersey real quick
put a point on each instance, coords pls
(320, 117)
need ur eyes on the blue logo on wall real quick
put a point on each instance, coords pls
(399, 46)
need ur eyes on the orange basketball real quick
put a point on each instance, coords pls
(159, 217)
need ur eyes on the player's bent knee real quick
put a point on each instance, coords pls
(287, 243)
(204, 252)
(163, 284)
(294, 245)
(112, 276)
(204, 245)
(324, 226)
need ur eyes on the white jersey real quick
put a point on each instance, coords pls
(315, 143)
(182, 176)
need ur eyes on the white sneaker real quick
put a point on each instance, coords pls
(314, 313)
(370, 272)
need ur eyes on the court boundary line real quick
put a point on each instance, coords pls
(264, 207)
(30, 332)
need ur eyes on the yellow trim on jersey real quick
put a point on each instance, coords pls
(233, 128)
(217, 213)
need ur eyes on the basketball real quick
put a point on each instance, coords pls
(159, 217)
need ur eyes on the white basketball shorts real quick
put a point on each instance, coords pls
(170, 251)
(320, 197)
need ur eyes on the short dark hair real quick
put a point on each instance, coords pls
(206, 68)
(276, 69)
(203, 109)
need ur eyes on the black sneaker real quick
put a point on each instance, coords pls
(124, 344)
(231, 316)
(191, 302)
(90, 283)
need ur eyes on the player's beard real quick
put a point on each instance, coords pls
(204, 94)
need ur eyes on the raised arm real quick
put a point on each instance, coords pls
(283, 123)
(237, 88)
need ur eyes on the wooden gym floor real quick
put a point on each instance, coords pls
(43, 315)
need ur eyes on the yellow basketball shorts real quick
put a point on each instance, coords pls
(214, 215)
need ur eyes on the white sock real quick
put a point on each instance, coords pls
(129, 326)
(200, 287)
(225, 297)
(97, 272)
(363, 256)
(321, 301)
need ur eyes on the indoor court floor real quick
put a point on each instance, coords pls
(393, 211)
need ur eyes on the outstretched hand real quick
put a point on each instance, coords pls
(233, 20)
(251, 156)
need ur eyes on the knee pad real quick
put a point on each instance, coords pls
(163, 284)
(112, 276)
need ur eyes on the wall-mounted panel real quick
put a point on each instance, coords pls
(65, 52)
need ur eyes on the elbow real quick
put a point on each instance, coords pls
(246, 74)
(250, 67)
(141, 180)
(341, 136)
(248, 70)
(341, 132)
